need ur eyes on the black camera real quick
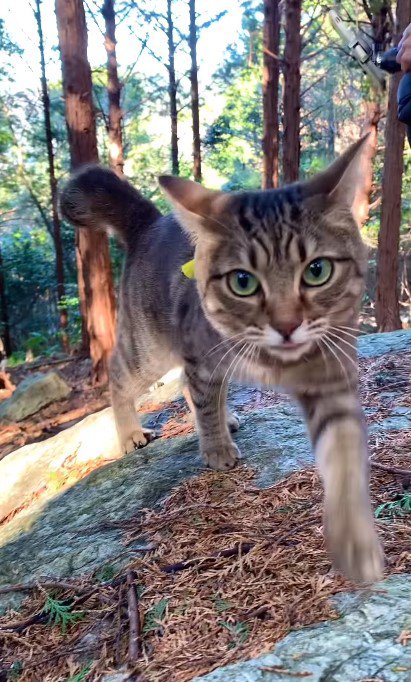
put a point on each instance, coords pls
(387, 62)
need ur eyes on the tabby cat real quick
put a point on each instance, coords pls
(279, 276)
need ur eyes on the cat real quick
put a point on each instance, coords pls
(279, 277)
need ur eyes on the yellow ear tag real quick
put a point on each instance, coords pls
(188, 269)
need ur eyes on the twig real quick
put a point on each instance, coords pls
(241, 548)
(282, 671)
(46, 584)
(134, 644)
(296, 530)
(390, 469)
(19, 626)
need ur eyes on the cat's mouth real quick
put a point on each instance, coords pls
(292, 345)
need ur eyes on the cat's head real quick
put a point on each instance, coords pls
(279, 269)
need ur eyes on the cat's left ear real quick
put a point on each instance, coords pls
(344, 180)
(193, 203)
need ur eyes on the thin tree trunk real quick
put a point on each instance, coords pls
(291, 100)
(115, 113)
(271, 72)
(387, 305)
(195, 110)
(93, 258)
(361, 204)
(63, 317)
(172, 91)
(4, 318)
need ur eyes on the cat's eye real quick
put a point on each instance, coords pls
(318, 272)
(243, 283)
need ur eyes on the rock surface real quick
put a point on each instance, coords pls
(66, 531)
(362, 645)
(35, 392)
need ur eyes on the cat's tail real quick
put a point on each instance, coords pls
(97, 198)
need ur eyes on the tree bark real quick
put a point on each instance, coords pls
(271, 72)
(291, 98)
(172, 91)
(4, 319)
(361, 206)
(195, 109)
(387, 304)
(93, 259)
(63, 317)
(115, 113)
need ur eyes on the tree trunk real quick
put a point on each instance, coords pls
(172, 91)
(195, 111)
(361, 206)
(53, 186)
(115, 113)
(4, 315)
(387, 305)
(93, 259)
(291, 99)
(271, 45)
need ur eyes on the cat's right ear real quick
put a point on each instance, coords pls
(193, 204)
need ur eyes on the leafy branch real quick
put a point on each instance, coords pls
(60, 613)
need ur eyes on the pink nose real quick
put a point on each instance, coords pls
(287, 327)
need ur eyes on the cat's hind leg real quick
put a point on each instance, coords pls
(128, 381)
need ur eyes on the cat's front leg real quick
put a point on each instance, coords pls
(208, 400)
(339, 436)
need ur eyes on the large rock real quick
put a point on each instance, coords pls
(66, 533)
(33, 467)
(362, 645)
(34, 392)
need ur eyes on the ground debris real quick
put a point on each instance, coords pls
(249, 565)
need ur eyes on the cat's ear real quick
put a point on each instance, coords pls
(343, 181)
(193, 203)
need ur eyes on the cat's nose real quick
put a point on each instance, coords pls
(287, 327)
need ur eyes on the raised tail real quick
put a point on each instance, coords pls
(97, 198)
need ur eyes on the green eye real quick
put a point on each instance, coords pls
(318, 272)
(243, 283)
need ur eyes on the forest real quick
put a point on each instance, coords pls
(171, 87)
(142, 541)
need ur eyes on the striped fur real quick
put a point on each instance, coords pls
(288, 334)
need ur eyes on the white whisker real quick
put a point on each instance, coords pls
(347, 343)
(221, 343)
(331, 349)
(324, 355)
(342, 331)
(236, 358)
(342, 351)
(237, 343)
(351, 329)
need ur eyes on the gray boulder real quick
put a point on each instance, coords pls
(33, 393)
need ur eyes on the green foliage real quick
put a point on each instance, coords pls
(154, 616)
(81, 675)
(238, 631)
(221, 605)
(332, 106)
(399, 507)
(106, 572)
(233, 142)
(60, 613)
(15, 671)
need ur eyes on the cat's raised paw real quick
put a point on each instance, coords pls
(138, 439)
(222, 457)
(356, 551)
